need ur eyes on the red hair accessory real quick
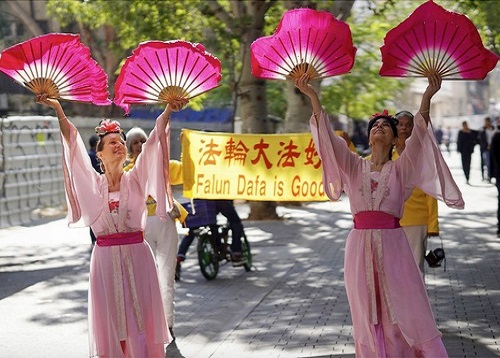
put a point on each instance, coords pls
(385, 113)
(108, 126)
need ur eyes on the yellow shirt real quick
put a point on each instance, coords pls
(175, 173)
(420, 209)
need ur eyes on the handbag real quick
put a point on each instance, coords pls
(435, 257)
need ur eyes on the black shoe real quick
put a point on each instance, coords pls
(238, 260)
(171, 330)
(178, 272)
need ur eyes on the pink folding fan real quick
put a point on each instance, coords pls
(433, 39)
(160, 71)
(58, 65)
(305, 41)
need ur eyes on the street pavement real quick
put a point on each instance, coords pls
(292, 303)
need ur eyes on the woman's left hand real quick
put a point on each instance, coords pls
(434, 86)
(177, 104)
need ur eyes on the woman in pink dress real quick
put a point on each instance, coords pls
(390, 309)
(126, 317)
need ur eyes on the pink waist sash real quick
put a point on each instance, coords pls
(121, 238)
(365, 220)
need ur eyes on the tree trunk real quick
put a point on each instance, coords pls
(252, 99)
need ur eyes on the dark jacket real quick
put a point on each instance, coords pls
(466, 141)
(483, 140)
(495, 156)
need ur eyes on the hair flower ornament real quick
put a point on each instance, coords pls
(385, 113)
(108, 126)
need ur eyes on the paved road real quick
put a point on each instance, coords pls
(293, 303)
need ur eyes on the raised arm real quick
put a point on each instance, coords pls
(302, 83)
(54, 103)
(433, 87)
(164, 117)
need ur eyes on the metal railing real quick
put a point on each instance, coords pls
(30, 168)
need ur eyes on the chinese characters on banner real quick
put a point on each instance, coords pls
(271, 167)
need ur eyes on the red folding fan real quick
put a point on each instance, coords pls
(58, 65)
(160, 71)
(305, 41)
(433, 39)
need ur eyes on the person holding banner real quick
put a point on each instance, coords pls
(125, 308)
(389, 305)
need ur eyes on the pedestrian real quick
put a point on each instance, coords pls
(125, 309)
(94, 138)
(466, 141)
(420, 214)
(97, 167)
(484, 137)
(161, 235)
(495, 155)
(439, 135)
(389, 305)
(447, 139)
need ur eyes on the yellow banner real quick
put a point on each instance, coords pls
(271, 167)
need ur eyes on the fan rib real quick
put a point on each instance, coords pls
(201, 83)
(418, 68)
(61, 54)
(330, 59)
(325, 46)
(152, 75)
(316, 58)
(151, 83)
(294, 54)
(288, 61)
(182, 75)
(162, 71)
(153, 90)
(26, 60)
(176, 67)
(169, 69)
(443, 59)
(188, 87)
(147, 90)
(279, 65)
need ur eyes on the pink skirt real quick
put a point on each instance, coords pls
(126, 317)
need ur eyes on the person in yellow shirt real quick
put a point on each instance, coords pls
(420, 215)
(161, 236)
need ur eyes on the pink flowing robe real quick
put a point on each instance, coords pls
(124, 296)
(379, 265)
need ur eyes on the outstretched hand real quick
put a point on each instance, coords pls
(177, 104)
(45, 100)
(302, 83)
(434, 86)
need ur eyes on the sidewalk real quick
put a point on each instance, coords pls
(293, 304)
